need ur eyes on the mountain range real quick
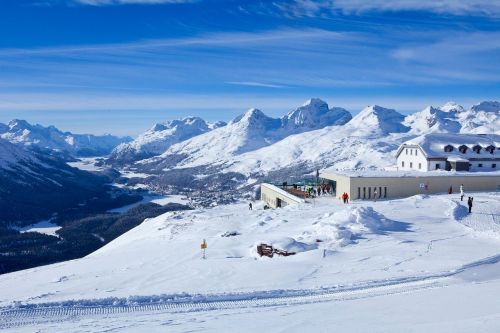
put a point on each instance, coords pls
(51, 139)
(314, 136)
(192, 154)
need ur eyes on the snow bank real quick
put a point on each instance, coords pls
(343, 227)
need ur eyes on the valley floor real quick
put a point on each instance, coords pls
(416, 264)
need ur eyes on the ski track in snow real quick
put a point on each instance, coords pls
(34, 314)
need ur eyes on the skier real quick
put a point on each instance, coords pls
(462, 192)
(250, 206)
(469, 203)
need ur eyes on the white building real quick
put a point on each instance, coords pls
(459, 152)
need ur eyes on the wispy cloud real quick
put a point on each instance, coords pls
(128, 2)
(256, 84)
(301, 8)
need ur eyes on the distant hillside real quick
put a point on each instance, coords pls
(52, 139)
(34, 186)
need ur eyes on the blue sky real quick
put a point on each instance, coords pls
(119, 66)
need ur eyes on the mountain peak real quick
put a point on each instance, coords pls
(19, 123)
(315, 114)
(377, 119)
(315, 102)
(451, 106)
(488, 106)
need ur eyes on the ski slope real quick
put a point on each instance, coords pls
(375, 261)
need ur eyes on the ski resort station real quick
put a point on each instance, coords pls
(429, 164)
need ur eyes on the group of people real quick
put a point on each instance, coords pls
(322, 189)
(345, 197)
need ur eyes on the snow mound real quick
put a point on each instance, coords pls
(287, 244)
(343, 227)
(291, 245)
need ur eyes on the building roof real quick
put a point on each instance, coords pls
(433, 145)
(400, 174)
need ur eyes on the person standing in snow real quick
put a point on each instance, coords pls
(462, 192)
(375, 193)
(469, 203)
(250, 206)
(346, 198)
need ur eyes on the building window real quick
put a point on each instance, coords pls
(462, 149)
(438, 166)
(380, 192)
(364, 192)
(420, 165)
(359, 192)
(494, 165)
(411, 165)
(480, 165)
(411, 151)
(448, 149)
(369, 192)
(477, 149)
(416, 152)
(406, 151)
(385, 192)
(403, 164)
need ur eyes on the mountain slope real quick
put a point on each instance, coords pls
(33, 186)
(51, 139)
(160, 137)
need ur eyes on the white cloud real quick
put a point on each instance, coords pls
(454, 7)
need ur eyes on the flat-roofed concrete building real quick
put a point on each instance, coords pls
(276, 197)
(459, 152)
(371, 185)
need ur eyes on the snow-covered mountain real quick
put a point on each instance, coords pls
(50, 138)
(375, 120)
(454, 118)
(314, 114)
(160, 137)
(255, 147)
(483, 117)
(367, 141)
(34, 185)
(250, 131)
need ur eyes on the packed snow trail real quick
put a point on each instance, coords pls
(485, 216)
(32, 314)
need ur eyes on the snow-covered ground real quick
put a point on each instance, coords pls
(86, 164)
(43, 227)
(158, 199)
(416, 264)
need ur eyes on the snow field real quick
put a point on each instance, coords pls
(360, 241)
